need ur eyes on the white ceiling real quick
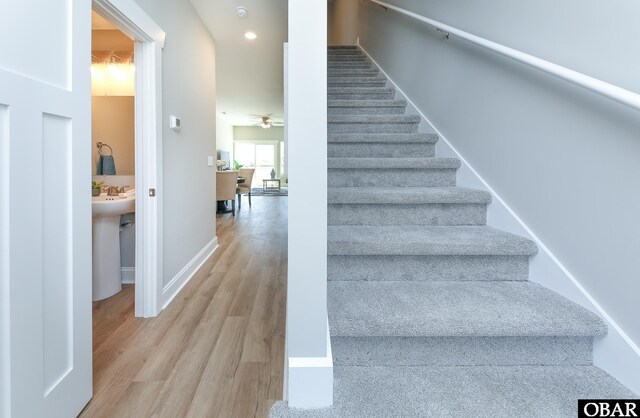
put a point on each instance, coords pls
(249, 74)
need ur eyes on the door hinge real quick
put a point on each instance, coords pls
(152, 192)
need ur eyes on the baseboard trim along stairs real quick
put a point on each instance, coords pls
(431, 311)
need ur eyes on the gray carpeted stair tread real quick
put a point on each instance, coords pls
(366, 103)
(480, 392)
(382, 163)
(383, 138)
(364, 65)
(354, 72)
(363, 90)
(333, 47)
(357, 82)
(406, 195)
(425, 240)
(454, 309)
(380, 119)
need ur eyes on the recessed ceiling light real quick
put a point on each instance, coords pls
(250, 35)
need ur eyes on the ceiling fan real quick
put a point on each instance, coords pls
(265, 122)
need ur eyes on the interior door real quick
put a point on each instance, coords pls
(45, 208)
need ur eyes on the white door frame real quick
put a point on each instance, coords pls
(149, 38)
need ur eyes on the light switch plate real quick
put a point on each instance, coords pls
(210, 161)
(175, 123)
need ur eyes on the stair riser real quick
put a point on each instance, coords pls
(372, 128)
(407, 214)
(439, 267)
(372, 82)
(333, 52)
(461, 351)
(381, 150)
(347, 58)
(361, 96)
(345, 65)
(392, 110)
(352, 73)
(364, 177)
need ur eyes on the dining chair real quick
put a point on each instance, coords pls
(226, 182)
(245, 187)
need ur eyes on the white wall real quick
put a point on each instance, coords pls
(188, 91)
(224, 136)
(256, 133)
(112, 122)
(565, 160)
(342, 16)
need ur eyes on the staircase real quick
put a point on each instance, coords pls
(430, 310)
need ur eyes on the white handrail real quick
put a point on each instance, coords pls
(603, 88)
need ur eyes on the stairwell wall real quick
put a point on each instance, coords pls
(564, 159)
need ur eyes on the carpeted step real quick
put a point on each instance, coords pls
(360, 93)
(407, 206)
(348, 58)
(426, 253)
(390, 172)
(426, 240)
(336, 47)
(409, 323)
(345, 51)
(414, 145)
(384, 138)
(349, 65)
(373, 123)
(356, 81)
(366, 107)
(354, 72)
(479, 392)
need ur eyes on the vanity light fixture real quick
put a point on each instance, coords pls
(250, 36)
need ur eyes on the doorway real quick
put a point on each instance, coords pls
(145, 74)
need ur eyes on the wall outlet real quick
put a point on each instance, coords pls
(175, 123)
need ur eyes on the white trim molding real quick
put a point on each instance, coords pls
(615, 353)
(180, 280)
(128, 275)
(310, 380)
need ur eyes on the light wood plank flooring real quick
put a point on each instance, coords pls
(218, 349)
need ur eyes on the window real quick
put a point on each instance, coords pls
(264, 156)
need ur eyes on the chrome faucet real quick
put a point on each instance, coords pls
(112, 191)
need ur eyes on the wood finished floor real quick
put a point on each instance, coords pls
(218, 349)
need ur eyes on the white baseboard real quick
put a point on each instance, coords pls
(309, 380)
(171, 290)
(615, 353)
(128, 275)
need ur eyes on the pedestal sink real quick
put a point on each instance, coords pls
(107, 271)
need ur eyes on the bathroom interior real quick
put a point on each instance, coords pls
(113, 161)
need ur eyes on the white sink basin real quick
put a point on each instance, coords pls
(112, 205)
(107, 270)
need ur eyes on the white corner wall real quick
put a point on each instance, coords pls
(188, 91)
(308, 367)
(224, 136)
(562, 160)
